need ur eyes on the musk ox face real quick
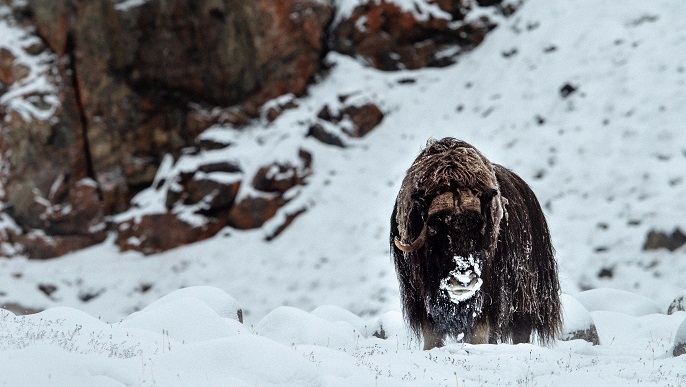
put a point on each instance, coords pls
(453, 272)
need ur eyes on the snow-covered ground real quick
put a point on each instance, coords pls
(191, 338)
(607, 161)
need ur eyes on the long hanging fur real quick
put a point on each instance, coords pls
(509, 239)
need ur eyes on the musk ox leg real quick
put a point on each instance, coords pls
(432, 339)
(521, 330)
(480, 334)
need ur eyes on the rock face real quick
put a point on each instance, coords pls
(96, 94)
(389, 36)
(158, 232)
(134, 83)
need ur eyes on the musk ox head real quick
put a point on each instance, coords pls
(451, 188)
(471, 263)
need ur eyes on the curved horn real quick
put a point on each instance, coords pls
(414, 245)
(442, 202)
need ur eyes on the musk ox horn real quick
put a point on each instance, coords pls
(442, 203)
(414, 245)
(469, 201)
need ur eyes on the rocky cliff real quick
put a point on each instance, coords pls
(97, 96)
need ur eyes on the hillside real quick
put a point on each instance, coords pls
(583, 99)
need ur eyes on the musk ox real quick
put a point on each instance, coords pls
(472, 251)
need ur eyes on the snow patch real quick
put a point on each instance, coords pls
(464, 281)
(618, 301)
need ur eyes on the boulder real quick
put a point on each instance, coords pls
(280, 177)
(679, 347)
(679, 303)
(392, 36)
(662, 240)
(254, 211)
(364, 118)
(577, 321)
(158, 232)
(356, 120)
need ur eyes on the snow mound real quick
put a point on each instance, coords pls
(218, 300)
(334, 314)
(184, 319)
(617, 301)
(243, 360)
(292, 326)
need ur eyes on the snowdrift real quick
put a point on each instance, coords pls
(191, 337)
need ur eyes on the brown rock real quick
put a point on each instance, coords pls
(282, 177)
(81, 214)
(364, 118)
(215, 194)
(208, 184)
(286, 222)
(661, 240)
(40, 246)
(275, 110)
(159, 232)
(19, 309)
(389, 38)
(253, 212)
(10, 70)
(327, 137)
(221, 166)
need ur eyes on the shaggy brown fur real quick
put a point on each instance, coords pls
(507, 240)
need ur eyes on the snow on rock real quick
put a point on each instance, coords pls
(680, 340)
(618, 301)
(578, 323)
(388, 325)
(33, 94)
(679, 303)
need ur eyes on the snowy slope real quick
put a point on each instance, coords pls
(607, 161)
